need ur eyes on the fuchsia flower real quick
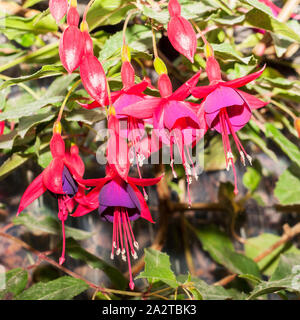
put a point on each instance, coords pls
(172, 117)
(180, 32)
(60, 178)
(118, 201)
(227, 109)
(131, 128)
(71, 44)
(58, 9)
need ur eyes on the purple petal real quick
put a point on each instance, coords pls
(222, 97)
(114, 194)
(69, 185)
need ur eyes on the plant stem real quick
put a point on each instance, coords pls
(75, 85)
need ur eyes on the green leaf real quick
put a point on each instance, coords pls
(267, 287)
(229, 20)
(48, 224)
(77, 252)
(138, 37)
(287, 189)
(105, 12)
(17, 159)
(158, 268)
(285, 277)
(211, 292)
(261, 17)
(15, 282)
(12, 163)
(7, 140)
(60, 85)
(289, 263)
(44, 159)
(221, 249)
(86, 116)
(63, 288)
(290, 149)
(45, 71)
(256, 245)
(15, 112)
(25, 123)
(45, 25)
(251, 179)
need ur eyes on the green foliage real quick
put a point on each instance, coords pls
(63, 288)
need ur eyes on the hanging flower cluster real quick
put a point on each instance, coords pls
(175, 121)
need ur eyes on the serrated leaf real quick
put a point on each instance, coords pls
(48, 224)
(77, 252)
(211, 292)
(287, 189)
(15, 282)
(63, 288)
(256, 245)
(158, 268)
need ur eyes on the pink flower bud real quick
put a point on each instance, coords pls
(174, 8)
(127, 74)
(213, 69)
(93, 78)
(88, 42)
(182, 36)
(164, 85)
(73, 17)
(71, 47)
(58, 9)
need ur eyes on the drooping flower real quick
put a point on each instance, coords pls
(60, 178)
(71, 44)
(227, 109)
(118, 201)
(131, 128)
(58, 9)
(180, 32)
(173, 118)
